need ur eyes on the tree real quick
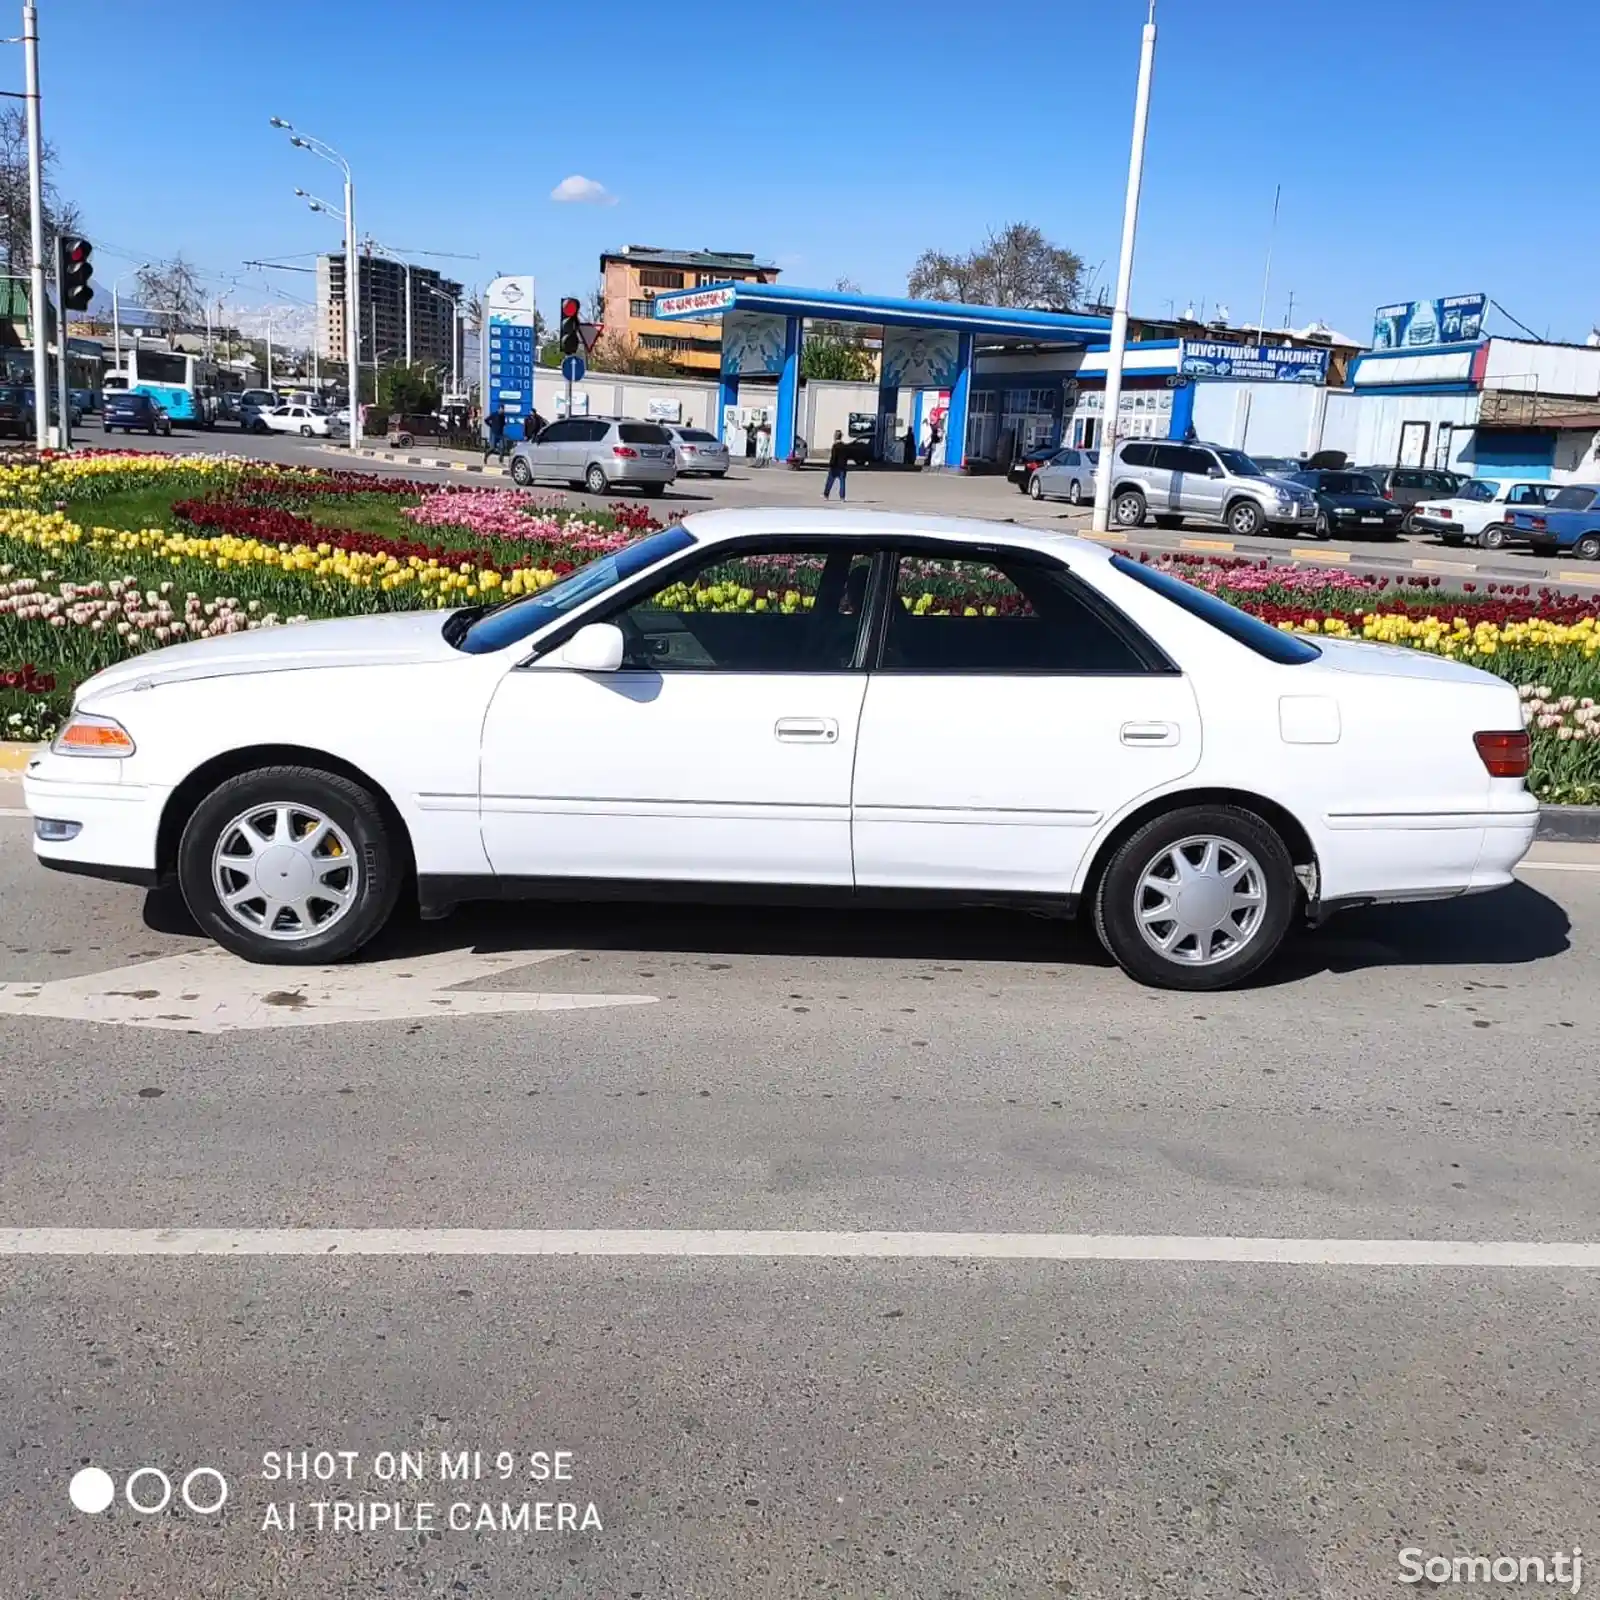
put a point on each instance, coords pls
(407, 389)
(171, 291)
(60, 216)
(1017, 266)
(616, 352)
(824, 356)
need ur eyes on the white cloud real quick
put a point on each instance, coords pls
(578, 190)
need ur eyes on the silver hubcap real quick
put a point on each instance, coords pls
(1200, 900)
(285, 871)
(1243, 521)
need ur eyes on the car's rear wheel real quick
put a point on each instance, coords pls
(1588, 547)
(594, 480)
(521, 473)
(1127, 510)
(1074, 493)
(1199, 898)
(305, 430)
(1035, 488)
(290, 865)
(722, 474)
(1245, 519)
(1493, 537)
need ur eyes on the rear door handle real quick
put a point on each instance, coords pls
(1149, 733)
(807, 730)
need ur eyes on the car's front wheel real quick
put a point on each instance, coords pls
(1588, 547)
(1199, 898)
(521, 472)
(1074, 493)
(290, 865)
(1127, 510)
(305, 430)
(1245, 519)
(594, 480)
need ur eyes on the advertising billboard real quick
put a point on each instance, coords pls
(1419, 324)
(1273, 363)
(508, 350)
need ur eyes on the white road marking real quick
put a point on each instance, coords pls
(209, 991)
(1558, 866)
(13, 811)
(716, 1242)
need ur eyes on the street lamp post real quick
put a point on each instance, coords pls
(116, 311)
(40, 308)
(1112, 415)
(455, 336)
(352, 270)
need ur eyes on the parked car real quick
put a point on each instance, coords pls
(14, 412)
(598, 454)
(1350, 503)
(743, 702)
(252, 402)
(1406, 486)
(1569, 520)
(698, 451)
(1068, 475)
(130, 410)
(292, 419)
(1021, 470)
(1281, 466)
(1175, 481)
(1478, 512)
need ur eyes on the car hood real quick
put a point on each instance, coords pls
(1278, 481)
(394, 640)
(1361, 502)
(1399, 661)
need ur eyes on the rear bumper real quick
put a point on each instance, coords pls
(638, 471)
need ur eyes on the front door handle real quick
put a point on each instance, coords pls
(1149, 733)
(807, 730)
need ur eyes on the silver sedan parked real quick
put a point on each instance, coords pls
(698, 451)
(1068, 475)
(598, 454)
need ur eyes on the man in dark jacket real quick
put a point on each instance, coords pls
(838, 465)
(495, 430)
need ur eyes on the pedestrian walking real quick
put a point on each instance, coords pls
(494, 443)
(910, 443)
(838, 465)
(750, 440)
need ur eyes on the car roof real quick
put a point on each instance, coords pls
(711, 527)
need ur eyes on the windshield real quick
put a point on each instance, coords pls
(1347, 483)
(1287, 649)
(1239, 464)
(1572, 499)
(1478, 489)
(495, 627)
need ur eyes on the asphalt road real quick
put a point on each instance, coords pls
(951, 494)
(760, 1425)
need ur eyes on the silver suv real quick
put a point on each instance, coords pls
(596, 453)
(1175, 481)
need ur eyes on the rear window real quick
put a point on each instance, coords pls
(697, 436)
(1287, 649)
(1572, 499)
(642, 433)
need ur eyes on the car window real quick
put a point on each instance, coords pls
(591, 432)
(643, 433)
(1239, 464)
(697, 436)
(1572, 498)
(1443, 482)
(1195, 462)
(1526, 494)
(1167, 457)
(1287, 649)
(556, 433)
(494, 627)
(970, 614)
(1346, 483)
(1409, 480)
(784, 609)
(1478, 489)
(1137, 455)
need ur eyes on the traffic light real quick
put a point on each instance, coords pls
(571, 331)
(77, 268)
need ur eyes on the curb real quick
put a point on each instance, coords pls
(437, 462)
(1557, 824)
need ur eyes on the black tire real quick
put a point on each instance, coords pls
(258, 426)
(1409, 525)
(1323, 528)
(1493, 537)
(1588, 547)
(152, 430)
(1074, 493)
(1128, 509)
(1035, 488)
(1118, 898)
(1167, 519)
(344, 802)
(521, 473)
(652, 489)
(1454, 540)
(594, 480)
(305, 430)
(1245, 519)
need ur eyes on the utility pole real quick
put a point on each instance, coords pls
(1119, 311)
(40, 307)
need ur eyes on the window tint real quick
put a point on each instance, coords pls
(697, 436)
(1137, 455)
(1287, 649)
(556, 432)
(1574, 498)
(1167, 457)
(590, 432)
(643, 433)
(781, 610)
(1478, 489)
(1526, 494)
(974, 615)
(1410, 480)
(1195, 461)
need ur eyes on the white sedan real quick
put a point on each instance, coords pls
(293, 419)
(822, 705)
(1477, 512)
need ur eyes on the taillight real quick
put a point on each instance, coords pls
(623, 450)
(1505, 755)
(1537, 522)
(1388, 494)
(1441, 511)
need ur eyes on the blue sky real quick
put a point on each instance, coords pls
(1424, 147)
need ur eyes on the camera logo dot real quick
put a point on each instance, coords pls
(91, 1490)
(148, 1490)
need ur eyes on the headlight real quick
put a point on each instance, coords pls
(1285, 496)
(84, 735)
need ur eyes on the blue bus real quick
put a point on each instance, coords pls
(184, 386)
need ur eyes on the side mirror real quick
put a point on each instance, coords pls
(595, 648)
(1214, 472)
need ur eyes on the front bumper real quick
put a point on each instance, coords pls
(117, 823)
